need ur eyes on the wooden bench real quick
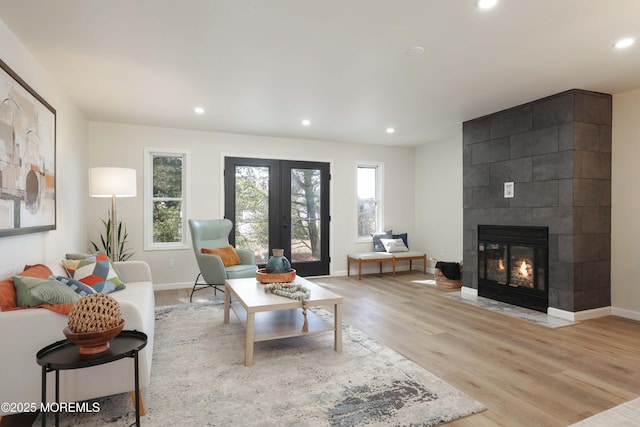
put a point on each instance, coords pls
(381, 257)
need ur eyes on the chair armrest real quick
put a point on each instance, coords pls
(133, 271)
(212, 268)
(246, 256)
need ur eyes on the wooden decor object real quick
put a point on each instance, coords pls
(263, 277)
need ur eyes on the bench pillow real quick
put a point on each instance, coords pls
(394, 245)
(377, 244)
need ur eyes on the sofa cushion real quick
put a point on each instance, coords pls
(377, 245)
(228, 255)
(33, 291)
(95, 271)
(76, 286)
(394, 245)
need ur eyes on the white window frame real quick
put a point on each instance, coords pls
(379, 167)
(149, 153)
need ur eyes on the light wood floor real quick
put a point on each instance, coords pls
(525, 374)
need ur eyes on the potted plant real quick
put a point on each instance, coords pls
(121, 240)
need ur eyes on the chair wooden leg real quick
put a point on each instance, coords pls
(143, 411)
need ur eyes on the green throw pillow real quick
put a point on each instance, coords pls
(32, 291)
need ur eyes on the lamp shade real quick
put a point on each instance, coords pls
(108, 182)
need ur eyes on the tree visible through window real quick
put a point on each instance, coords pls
(368, 196)
(252, 210)
(305, 214)
(167, 202)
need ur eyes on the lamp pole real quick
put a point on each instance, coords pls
(114, 229)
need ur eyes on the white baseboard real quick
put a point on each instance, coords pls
(629, 314)
(579, 315)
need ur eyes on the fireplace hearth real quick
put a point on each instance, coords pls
(512, 265)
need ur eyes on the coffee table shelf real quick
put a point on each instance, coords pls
(271, 325)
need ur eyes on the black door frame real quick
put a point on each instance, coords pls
(280, 206)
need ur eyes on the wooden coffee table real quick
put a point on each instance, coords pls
(267, 316)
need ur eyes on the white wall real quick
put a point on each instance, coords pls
(123, 145)
(71, 154)
(625, 205)
(438, 199)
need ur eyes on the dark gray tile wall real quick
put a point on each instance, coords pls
(557, 151)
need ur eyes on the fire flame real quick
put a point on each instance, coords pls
(523, 269)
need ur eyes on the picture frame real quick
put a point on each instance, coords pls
(27, 158)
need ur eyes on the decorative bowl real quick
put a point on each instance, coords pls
(263, 277)
(91, 343)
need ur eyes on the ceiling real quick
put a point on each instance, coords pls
(262, 66)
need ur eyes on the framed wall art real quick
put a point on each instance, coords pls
(27, 158)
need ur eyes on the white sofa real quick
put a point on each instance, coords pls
(24, 332)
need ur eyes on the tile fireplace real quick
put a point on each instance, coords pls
(555, 154)
(513, 265)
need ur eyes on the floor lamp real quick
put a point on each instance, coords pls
(112, 182)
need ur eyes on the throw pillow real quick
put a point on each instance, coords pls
(394, 245)
(377, 245)
(228, 255)
(33, 291)
(8, 297)
(404, 237)
(75, 285)
(95, 271)
(74, 255)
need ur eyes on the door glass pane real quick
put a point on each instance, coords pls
(305, 215)
(252, 210)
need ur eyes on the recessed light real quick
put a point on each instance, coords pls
(306, 122)
(414, 51)
(199, 110)
(486, 4)
(390, 130)
(624, 43)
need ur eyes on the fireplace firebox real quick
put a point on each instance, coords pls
(512, 265)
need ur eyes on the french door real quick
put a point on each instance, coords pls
(280, 204)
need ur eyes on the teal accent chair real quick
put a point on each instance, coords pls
(214, 233)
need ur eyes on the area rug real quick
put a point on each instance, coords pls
(538, 317)
(199, 379)
(627, 414)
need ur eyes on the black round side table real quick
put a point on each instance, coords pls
(63, 355)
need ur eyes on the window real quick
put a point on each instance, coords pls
(369, 197)
(165, 198)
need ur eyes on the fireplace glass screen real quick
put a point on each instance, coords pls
(512, 265)
(521, 266)
(495, 258)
